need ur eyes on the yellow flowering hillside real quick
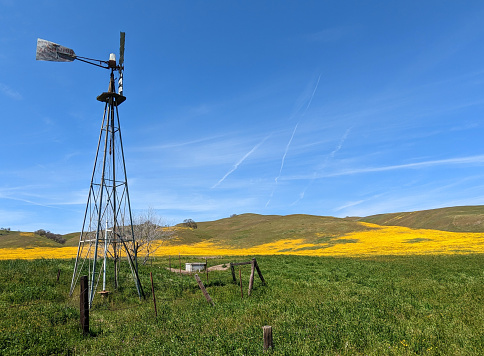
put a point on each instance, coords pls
(371, 240)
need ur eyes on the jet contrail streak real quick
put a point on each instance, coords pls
(290, 140)
(285, 152)
(331, 155)
(240, 162)
(312, 95)
(282, 164)
(343, 139)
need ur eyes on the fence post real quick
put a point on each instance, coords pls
(267, 334)
(179, 263)
(204, 291)
(259, 272)
(240, 277)
(84, 305)
(153, 292)
(232, 268)
(251, 280)
(206, 267)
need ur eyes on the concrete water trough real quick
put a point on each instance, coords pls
(195, 266)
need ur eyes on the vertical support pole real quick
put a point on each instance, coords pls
(179, 263)
(240, 278)
(169, 263)
(267, 334)
(84, 304)
(251, 280)
(153, 292)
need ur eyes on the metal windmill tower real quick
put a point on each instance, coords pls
(107, 232)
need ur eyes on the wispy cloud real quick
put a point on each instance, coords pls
(328, 35)
(470, 160)
(11, 93)
(240, 162)
(349, 205)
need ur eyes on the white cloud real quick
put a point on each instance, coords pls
(11, 93)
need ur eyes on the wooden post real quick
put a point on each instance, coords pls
(259, 272)
(251, 280)
(206, 267)
(58, 274)
(84, 305)
(169, 263)
(233, 272)
(153, 292)
(267, 334)
(179, 263)
(204, 291)
(240, 278)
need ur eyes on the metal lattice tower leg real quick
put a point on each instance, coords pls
(107, 232)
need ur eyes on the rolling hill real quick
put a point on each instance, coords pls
(454, 219)
(249, 230)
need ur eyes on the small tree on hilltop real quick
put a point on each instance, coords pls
(190, 223)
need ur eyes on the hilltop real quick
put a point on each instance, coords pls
(454, 219)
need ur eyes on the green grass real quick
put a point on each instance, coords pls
(336, 306)
(248, 230)
(14, 239)
(455, 219)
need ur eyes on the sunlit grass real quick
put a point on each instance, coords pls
(398, 305)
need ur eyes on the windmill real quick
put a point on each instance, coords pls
(107, 232)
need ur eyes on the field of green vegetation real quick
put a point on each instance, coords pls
(455, 219)
(429, 305)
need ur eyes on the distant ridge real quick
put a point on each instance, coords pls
(454, 219)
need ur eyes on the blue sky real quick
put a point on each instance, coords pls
(336, 108)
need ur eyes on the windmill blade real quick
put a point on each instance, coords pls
(50, 51)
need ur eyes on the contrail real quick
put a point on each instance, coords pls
(290, 140)
(343, 139)
(282, 163)
(285, 152)
(240, 162)
(331, 155)
(312, 96)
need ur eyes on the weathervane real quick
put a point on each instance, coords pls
(107, 231)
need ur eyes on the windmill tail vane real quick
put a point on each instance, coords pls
(53, 52)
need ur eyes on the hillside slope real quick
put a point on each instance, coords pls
(454, 219)
(248, 230)
(17, 239)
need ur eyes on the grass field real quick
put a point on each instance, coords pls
(400, 305)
